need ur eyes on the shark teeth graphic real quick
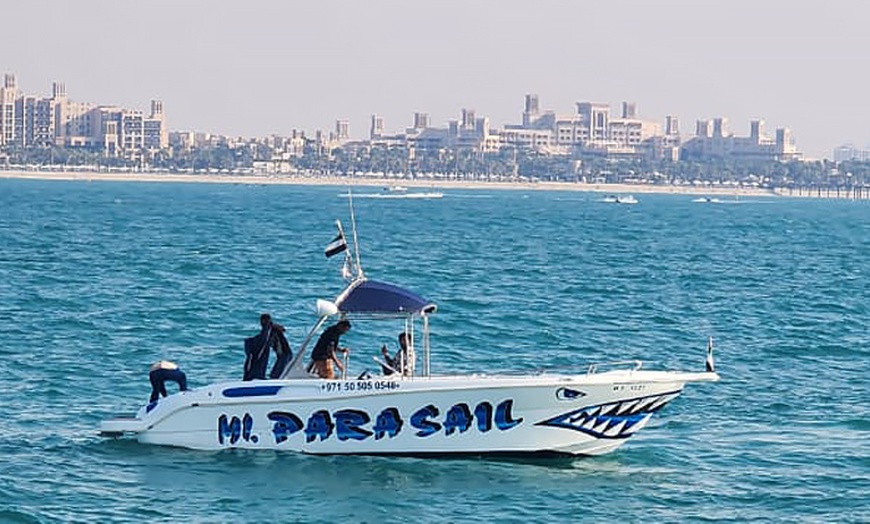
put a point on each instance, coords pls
(615, 430)
(644, 403)
(607, 408)
(626, 407)
(601, 425)
(614, 420)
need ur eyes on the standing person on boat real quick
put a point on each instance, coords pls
(257, 350)
(161, 372)
(399, 362)
(283, 353)
(324, 355)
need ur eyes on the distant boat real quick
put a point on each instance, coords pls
(711, 200)
(396, 189)
(615, 199)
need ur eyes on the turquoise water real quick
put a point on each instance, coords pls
(97, 280)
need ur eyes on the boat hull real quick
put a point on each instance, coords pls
(577, 415)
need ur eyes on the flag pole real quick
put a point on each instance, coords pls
(710, 364)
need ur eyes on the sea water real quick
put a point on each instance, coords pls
(100, 279)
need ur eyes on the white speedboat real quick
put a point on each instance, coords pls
(614, 199)
(410, 411)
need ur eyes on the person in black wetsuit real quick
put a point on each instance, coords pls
(324, 354)
(257, 350)
(283, 353)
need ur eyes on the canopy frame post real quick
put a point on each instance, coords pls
(426, 370)
(300, 355)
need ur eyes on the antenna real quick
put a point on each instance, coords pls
(353, 229)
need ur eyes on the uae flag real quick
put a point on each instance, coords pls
(337, 245)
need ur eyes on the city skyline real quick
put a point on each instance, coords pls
(30, 120)
(261, 70)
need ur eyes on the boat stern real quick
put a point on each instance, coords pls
(120, 426)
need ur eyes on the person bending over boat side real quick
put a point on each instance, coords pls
(257, 350)
(399, 362)
(324, 354)
(161, 372)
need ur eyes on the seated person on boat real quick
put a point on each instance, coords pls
(400, 362)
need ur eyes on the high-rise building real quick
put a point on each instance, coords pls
(45, 122)
(132, 131)
(25, 123)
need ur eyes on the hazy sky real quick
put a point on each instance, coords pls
(255, 68)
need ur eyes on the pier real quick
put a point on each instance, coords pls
(840, 192)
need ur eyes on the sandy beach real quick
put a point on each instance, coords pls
(385, 182)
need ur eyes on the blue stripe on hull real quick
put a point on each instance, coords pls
(252, 391)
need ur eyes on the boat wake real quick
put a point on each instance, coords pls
(713, 200)
(398, 195)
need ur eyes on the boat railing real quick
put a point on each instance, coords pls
(635, 365)
(386, 366)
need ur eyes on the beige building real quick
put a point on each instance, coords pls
(342, 131)
(8, 96)
(469, 133)
(713, 139)
(155, 132)
(526, 138)
(32, 121)
(536, 131)
(591, 130)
